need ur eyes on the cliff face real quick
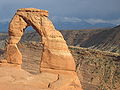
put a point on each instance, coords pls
(103, 39)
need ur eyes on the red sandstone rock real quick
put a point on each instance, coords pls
(3, 61)
(56, 54)
(13, 54)
(12, 78)
(57, 66)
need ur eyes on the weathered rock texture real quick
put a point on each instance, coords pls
(12, 78)
(56, 58)
(55, 55)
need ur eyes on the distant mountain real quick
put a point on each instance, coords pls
(80, 25)
(65, 25)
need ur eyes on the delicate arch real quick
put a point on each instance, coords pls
(55, 54)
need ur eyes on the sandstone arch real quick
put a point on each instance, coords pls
(57, 66)
(55, 55)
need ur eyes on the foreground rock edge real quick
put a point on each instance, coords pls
(15, 78)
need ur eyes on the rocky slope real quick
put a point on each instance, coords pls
(77, 37)
(97, 70)
(103, 39)
(106, 40)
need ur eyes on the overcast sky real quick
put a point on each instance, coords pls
(67, 10)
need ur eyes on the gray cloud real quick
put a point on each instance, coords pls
(85, 9)
(95, 21)
(65, 19)
(92, 21)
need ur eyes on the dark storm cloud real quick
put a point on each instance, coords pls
(104, 9)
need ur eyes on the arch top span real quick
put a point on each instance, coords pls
(33, 10)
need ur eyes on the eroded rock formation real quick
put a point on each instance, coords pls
(56, 58)
(55, 55)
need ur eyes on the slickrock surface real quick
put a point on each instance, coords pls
(14, 78)
(57, 65)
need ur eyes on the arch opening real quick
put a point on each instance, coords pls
(31, 49)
